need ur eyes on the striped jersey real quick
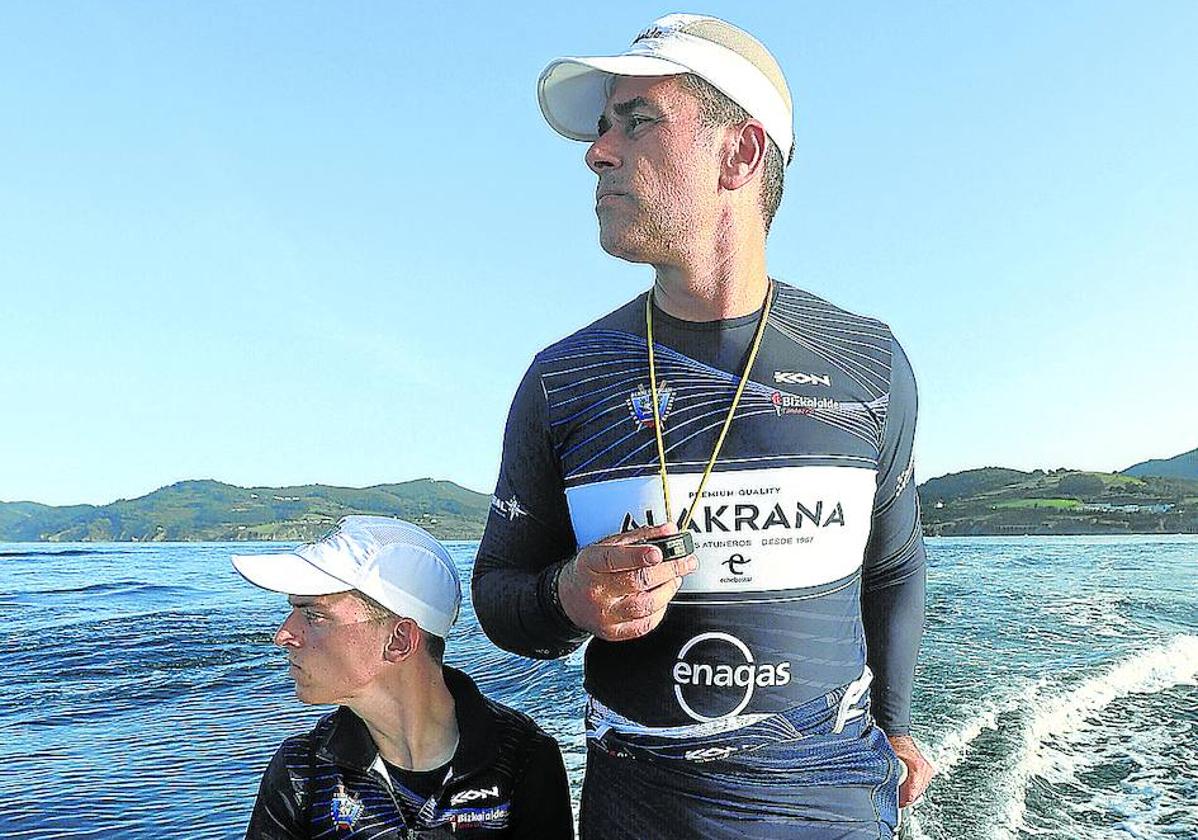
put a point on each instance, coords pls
(811, 558)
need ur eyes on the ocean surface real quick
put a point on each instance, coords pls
(140, 696)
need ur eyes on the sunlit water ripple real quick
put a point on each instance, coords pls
(140, 696)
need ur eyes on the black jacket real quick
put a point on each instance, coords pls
(506, 780)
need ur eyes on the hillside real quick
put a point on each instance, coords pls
(984, 501)
(1001, 501)
(1183, 466)
(210, 510)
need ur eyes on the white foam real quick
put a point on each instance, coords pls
(956, 745)
(1052, 718)
(914, 829)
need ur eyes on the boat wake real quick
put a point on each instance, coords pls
(1057, 724)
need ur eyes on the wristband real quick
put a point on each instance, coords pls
(555, 599)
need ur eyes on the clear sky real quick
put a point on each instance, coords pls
(281, 242)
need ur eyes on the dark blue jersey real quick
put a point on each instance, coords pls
(505, 780)
(807, 534)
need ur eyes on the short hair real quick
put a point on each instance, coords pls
(433, 644)
(716, 110)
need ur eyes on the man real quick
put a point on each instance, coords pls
(729, 693)
(415, 750)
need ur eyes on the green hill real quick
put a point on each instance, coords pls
(999, 501)
(1184, 466)
(991, 500)
(210, 510)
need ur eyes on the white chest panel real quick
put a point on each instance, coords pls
(755, 530)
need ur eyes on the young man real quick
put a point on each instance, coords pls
(773, 427)
(415, 750)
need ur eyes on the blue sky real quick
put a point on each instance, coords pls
(277, 243)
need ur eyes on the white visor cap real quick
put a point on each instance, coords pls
(573, 91)
(396, 563)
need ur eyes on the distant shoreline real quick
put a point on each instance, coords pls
(986, 502)
(479, 538)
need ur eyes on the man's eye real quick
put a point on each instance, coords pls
(634, 122)
(313, 617)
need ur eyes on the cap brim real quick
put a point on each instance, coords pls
(572, 92)
(287, 573)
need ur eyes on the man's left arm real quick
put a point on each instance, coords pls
(893, 580)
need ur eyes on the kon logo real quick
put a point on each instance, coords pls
(709, 754)
(744, 675)
(471, 795)
(795, 377)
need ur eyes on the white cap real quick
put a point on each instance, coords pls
(396, 563)
(573, 91)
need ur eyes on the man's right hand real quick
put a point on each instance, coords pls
(618, 590)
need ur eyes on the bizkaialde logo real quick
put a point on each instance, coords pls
(510, 509)
(650, 33)
(640, 404)
(496, 817)
(798, 377)
(796, 404)
(473, 795)
(664, 26)
(700, 666)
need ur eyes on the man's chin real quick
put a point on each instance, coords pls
(310, 697)
(620, 247)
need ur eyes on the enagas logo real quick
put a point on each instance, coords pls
(717, 672)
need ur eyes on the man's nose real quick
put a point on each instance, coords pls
(601, 153)
(285, 636)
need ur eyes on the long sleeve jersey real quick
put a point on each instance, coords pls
(811, 557)
(506, 780)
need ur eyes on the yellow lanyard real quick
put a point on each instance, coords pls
(715, 453)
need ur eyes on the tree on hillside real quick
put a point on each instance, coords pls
(1080, 486)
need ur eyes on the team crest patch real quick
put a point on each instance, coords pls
(640, 404)
(344, 810)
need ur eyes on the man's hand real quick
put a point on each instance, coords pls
(919, 770)
(618, 590)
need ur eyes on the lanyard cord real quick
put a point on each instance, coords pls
(415, 817)
(715, 453)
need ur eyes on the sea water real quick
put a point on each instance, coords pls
(1057, 691)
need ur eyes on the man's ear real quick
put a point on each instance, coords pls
(744, 156)
(404, 640)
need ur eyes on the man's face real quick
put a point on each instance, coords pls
(335, 650)
(658, 169)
